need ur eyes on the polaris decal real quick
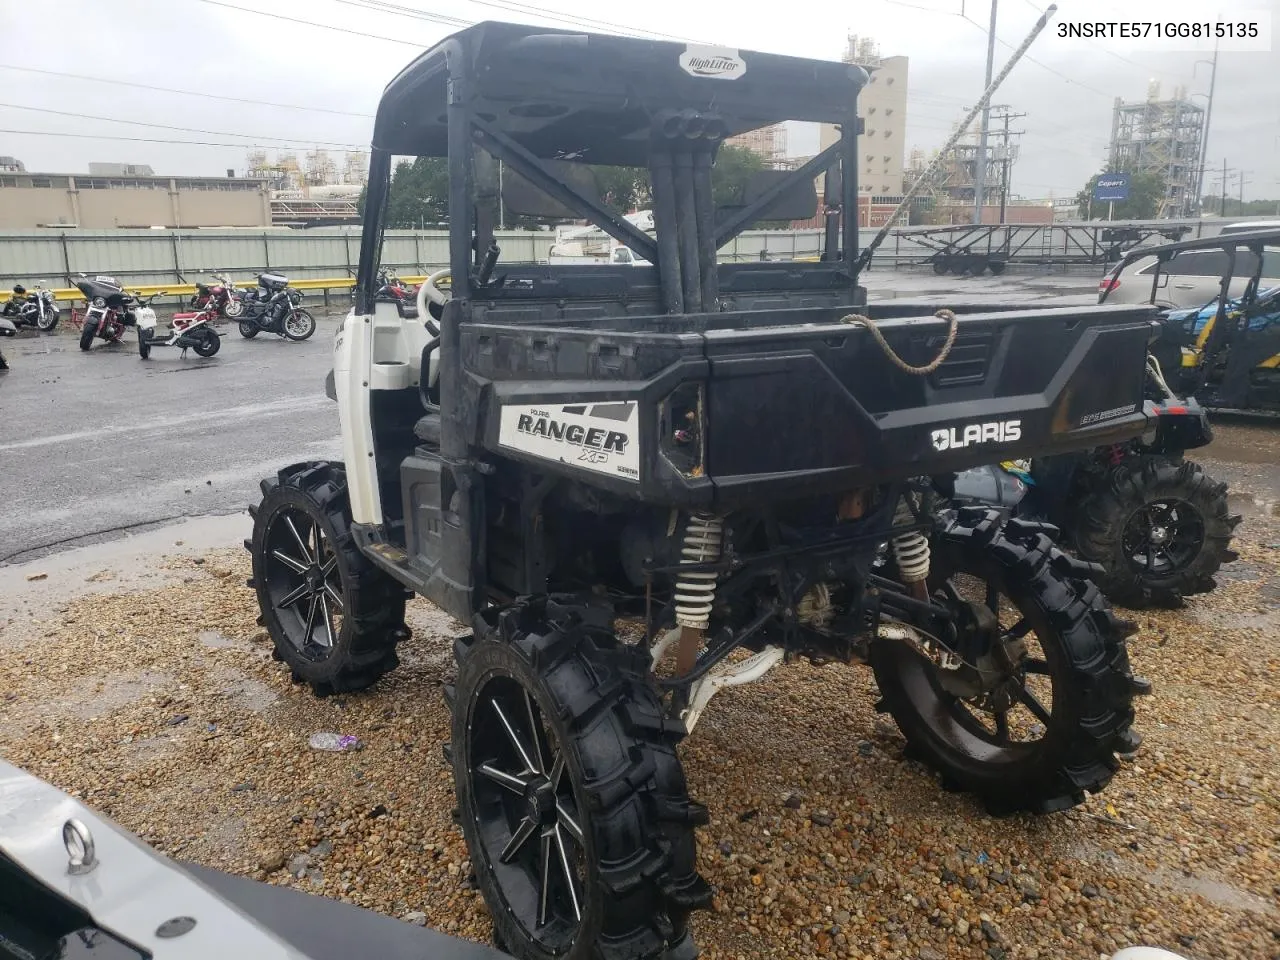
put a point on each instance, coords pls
(957, 438)
(600, 437)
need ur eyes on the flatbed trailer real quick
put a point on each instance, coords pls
(976, 248)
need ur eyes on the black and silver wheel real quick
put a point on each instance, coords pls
(1160, 528)
(248, 329)
(208, 343)
(941, 265)
(572, 799)
(48, 321)
(299, 325)
(334, 618)
(87, 333)
(1034, 713)
(232, 308)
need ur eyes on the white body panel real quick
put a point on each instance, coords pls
(381, 351)
(146, 318)
(131, 891)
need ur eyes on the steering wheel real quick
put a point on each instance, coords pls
(429, 291)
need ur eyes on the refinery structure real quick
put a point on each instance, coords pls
(1164, 137)
(318, 188)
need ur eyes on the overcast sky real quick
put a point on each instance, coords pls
(206, 47)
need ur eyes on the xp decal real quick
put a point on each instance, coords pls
(601, 437)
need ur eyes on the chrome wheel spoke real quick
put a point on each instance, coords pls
(513, 737)
(503, 779)
(293, 596)
(293, 564)
(531, 713)
(334, 596)
(518, 839)
(565, 819)
(568, 873)
(302, 544)
(544, 893)
(311, 620)
(328, 618)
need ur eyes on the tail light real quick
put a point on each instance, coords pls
(1107, 284)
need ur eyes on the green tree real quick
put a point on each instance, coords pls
(624, 189)
(733, 168)
(1146, 190)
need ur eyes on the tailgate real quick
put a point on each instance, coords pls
(822, 406)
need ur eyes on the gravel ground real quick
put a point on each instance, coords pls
(151, 696)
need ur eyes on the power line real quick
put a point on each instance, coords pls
(312, 23)
(383, 7)
(1045, 66)
(187, 143)
(185, 93)
(165, 126)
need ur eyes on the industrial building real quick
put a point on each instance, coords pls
(769, 142)
(112, 200)
(1163, 137)
(883, 108)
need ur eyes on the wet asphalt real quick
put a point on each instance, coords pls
(102, 445)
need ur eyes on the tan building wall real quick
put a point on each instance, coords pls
(882, 105)
(93, 204)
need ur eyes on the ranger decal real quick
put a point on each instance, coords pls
(600, 437)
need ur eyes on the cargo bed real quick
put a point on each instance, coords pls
(793, 401)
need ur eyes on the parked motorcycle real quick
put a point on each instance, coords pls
(111, 310)
(36, 309)
(273, 308)
(389, 285)
(225, 296)
(194, 331)
(7, 329)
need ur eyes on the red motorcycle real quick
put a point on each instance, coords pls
(224, 295)
(389, 285)
(111, 310)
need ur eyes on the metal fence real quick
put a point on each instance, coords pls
(151, 257)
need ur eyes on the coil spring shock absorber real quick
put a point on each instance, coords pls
(695, 591)
(910, 551)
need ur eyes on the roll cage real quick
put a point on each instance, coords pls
(547, 103)
(1222, 333)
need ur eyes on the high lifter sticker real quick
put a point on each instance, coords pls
(601, 437)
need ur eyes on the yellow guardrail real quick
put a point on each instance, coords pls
(189, 289)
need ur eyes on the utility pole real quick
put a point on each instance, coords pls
(1243, 181)
(1005, 116)
(1223, 211)
(980, 163)
(1208, 115)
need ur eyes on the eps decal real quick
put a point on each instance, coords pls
(600, 437)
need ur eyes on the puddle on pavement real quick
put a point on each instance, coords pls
(97, 698)
(1249, 505)
(216, 640)
(244, 692)
(1213, 890)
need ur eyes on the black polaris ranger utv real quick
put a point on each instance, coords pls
(736, 464)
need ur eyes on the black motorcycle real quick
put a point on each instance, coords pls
(7, 329)
(272, 307)
(36, 308)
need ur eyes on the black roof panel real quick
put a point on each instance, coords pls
(589, 96)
